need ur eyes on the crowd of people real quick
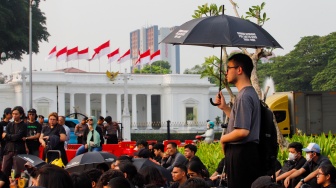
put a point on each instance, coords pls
(165, 166)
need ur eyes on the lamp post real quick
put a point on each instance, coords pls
(126, 120)
(31, 2)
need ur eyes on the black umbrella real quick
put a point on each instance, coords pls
(142, 162)
(89, 160)
(21, 159)
(221, 31)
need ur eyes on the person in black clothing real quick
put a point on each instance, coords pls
(15, 131)
(196, 169)
(179, 175)
(326, 176)
(295, 162)
(190, 153)
(34, 129)
(52, 138)
(113, 134)
(7, 115)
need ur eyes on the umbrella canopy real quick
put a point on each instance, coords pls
(22, 159)
(89, 160)
(142, 162)
(221, 31)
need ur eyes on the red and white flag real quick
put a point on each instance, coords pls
(61, 55)
(84, 54)
(52, 53)
(125, 57)
(113, 56)
(155, 57)
(72, 54)
(145, 57)
(101, 50)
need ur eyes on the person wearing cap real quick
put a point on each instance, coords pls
(34, 129)
(295, 162)
(112, 135)
(15, 131)
(41, 120)
(209, 134)
(7, 116)
(314, 161)
(79, 131)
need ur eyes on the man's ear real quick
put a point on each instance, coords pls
(93, 184)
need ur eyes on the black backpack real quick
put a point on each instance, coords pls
(268, 144)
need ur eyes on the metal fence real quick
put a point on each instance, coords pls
(174, 127)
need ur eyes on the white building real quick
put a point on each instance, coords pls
(151, 98)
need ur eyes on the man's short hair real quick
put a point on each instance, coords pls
(85, 118)
(329, 169)
(182, 167)
(40, 116)
(142, 142)
(297, 146)
(173, 144)
(191, 147)
(159, 146)
(243, 61)
(101, 118)
(108, 119)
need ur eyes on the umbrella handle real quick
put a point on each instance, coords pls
(213, 104)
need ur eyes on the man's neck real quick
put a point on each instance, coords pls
(243, 83)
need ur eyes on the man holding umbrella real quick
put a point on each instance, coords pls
(240, 144)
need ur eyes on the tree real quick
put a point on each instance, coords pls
(158, 67)
(309, 67)
(14, 30)
(202, 70)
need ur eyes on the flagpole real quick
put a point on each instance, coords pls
(99, 64)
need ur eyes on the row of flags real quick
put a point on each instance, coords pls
(65, 54)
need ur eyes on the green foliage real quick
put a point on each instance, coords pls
(255, 12)
(14, 21)
(158, 67)
(327, 144)
(206, 10)
(309, 67)
(210, 155)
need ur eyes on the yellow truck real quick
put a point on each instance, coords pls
(310, 112)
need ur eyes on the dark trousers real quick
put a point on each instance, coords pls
(242, 164)
(111, 139)
(7, 163)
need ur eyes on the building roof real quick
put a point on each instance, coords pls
(71, 70)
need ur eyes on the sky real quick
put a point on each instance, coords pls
(87, 23)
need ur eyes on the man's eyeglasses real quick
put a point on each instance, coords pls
(228, 67)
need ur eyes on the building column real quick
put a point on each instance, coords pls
(72, 103)
(103, 105)
(61, 102)
(149, 111)
(119, 107)
(134, 112)
(87, 104)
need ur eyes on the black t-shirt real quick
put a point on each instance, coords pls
(57, 130)
(3, 125)
(32, 130)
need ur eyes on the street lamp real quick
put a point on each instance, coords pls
(31, 3)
